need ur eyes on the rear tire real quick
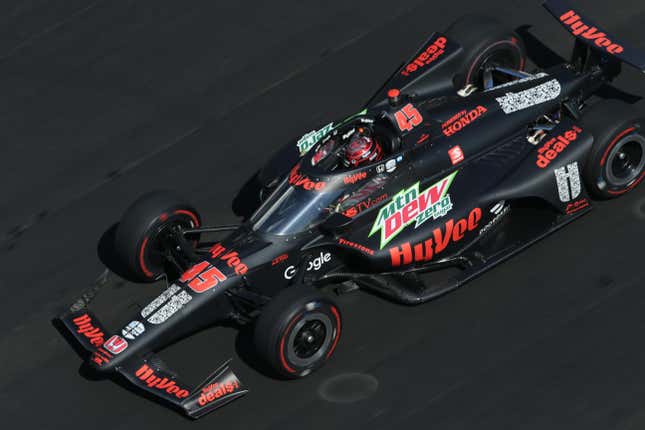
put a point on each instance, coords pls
(297, 332)
(616, 162)
(486, 42)
(138, 234)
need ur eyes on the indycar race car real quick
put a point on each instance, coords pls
(460, 161)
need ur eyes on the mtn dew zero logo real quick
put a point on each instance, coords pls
(310, 139)
(409, 205)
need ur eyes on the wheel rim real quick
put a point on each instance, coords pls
(309, 339)
(625, 161)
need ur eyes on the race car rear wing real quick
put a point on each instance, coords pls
(591, 35)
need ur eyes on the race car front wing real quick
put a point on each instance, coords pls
(146, 370)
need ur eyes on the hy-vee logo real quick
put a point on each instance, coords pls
(409, 205)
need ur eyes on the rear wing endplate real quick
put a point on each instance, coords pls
(586, 31)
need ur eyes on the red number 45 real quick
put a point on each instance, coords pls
(408, 117)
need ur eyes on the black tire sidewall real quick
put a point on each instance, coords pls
(278, 320)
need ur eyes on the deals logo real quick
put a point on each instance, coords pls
(409, 205)
(297, 179)
(214, 391)
(147, 375)
(462, 120)
(428, 56)
(85, 327)
(553, 147)
(442, 237)
(600, 39)
(306, 142)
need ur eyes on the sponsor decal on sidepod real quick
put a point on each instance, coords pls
(409, 205)
(550, 150)
(425, 251)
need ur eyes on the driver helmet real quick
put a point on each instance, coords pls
(362, 149)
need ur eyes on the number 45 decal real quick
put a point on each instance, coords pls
(408, 117)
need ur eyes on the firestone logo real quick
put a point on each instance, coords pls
(409, 205)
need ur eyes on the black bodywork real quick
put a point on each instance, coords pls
(461, 187)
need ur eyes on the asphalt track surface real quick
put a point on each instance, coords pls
(104, 100)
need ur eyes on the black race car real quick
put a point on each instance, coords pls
(461, 160)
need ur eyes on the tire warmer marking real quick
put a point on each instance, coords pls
(286, 332)
(337, 316)
(142, 263)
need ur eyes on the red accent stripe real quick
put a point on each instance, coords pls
(284, 336)
(337, 316)
(142, 263)
(613, 142)
(190, 214)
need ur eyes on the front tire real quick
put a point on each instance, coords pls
(616, 162)
(297, 332)
(139, 236)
